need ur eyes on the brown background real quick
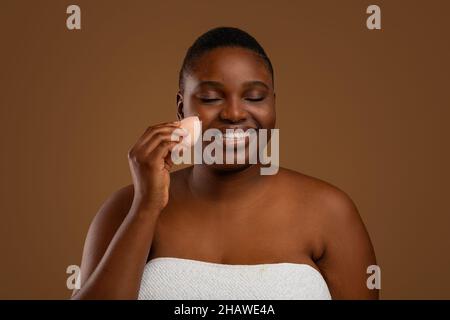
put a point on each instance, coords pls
(365, 110)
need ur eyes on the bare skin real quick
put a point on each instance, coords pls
(223, 213)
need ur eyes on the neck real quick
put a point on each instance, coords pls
(211, 184)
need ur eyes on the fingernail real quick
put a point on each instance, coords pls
(180, 131)
(176, 137)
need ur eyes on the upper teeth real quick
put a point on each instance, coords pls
(235, 135)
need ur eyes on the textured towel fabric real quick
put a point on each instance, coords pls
(185, 279)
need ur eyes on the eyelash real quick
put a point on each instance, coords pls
(204, 100)
(255, 99)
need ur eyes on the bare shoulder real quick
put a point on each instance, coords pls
(347, 248)
(334, 213)
(119, 202)
(323, 197)
(109, 217)
(117, 205)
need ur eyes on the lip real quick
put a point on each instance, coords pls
(239, 140)
(232, 137)
(224, 129)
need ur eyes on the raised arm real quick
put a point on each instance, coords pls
(120, 236)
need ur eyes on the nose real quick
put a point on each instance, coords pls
(233, 111)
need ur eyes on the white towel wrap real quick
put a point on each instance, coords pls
(185, 279)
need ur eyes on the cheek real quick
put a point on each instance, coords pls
(189, 106)
(205, 113)
(193, 108)
(265, 116)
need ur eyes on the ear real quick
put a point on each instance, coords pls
(180, 106)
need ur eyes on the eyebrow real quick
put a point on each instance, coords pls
(217, 84)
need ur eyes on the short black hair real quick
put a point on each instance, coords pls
(220, 37)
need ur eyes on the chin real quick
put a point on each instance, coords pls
(229, 168)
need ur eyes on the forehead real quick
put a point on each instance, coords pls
(231, 66)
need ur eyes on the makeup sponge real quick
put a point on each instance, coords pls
(193, 126)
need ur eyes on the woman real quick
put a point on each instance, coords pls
(224, 231)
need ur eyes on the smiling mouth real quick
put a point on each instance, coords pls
(237, 136)
(234, 136)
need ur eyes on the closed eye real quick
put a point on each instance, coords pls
(255, 99)
(206, 100)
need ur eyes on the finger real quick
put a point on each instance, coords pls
(167, 166)
(154, 131)
(164, 124)
(162, 150)
(168, 161)
(159, 138)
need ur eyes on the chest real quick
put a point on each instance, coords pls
(257, 233)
